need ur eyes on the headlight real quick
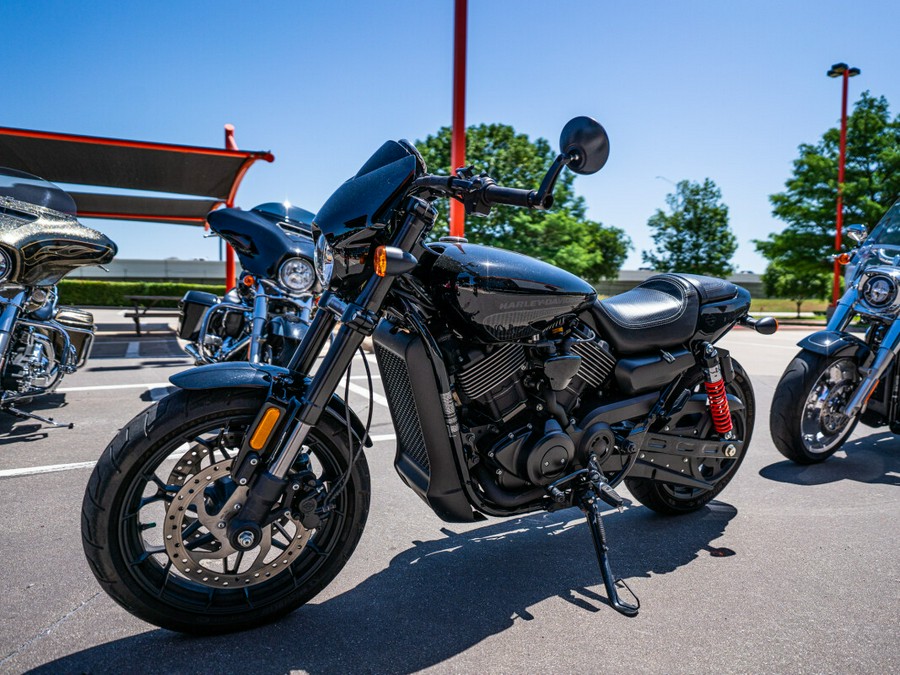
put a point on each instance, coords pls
(296, 275)
(5, 265)
(879, 291)
(324, 258)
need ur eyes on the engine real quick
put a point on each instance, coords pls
(516, 400)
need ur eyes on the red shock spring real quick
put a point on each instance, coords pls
(718, 406)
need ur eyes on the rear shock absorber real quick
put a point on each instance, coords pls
(715, 392)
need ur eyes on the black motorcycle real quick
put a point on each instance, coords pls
(265, 316)
(40, 242)
(241, 495)
(840, 378)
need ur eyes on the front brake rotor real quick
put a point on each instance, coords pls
(198, 546)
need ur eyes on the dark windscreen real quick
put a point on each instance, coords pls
(30, 189)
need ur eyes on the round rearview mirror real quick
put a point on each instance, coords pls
(585, 143)
(857, 233)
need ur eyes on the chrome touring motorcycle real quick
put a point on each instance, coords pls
(841, 378)
(40, 242)
(264, 318)
(241, 495)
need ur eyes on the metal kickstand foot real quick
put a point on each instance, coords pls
(33, 416)
(590, 504)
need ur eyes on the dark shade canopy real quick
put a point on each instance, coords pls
(211, 173)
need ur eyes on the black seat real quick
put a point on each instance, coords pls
(658, 314)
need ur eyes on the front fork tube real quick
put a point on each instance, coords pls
(886, 353)
(258, 323)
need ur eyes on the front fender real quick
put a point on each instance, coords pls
(241, 374)
(833, 343)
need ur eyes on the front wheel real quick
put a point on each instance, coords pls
(151, 510)
(806, 420)
(670, 499)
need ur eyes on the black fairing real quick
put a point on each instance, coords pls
(496, 295)
(260, 243)
(361, 208)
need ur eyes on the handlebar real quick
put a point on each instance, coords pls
(481, 193)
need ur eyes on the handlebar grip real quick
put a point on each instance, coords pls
(494, 194)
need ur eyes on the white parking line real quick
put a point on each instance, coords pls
(133, 351)
(101, 387)
(364, 391)
(51, 468)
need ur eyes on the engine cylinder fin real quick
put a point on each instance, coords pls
(596, 363)
(498, 366)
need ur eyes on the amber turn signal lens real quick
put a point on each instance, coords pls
(843, 258)
(264, 428)
(380, 261)
(248, 281)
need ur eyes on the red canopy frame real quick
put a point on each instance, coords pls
(210, 176)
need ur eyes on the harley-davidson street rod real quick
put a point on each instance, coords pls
(41, 241)
(240, 496)
(264, 318)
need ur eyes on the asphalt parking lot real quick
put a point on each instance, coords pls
(793, 569)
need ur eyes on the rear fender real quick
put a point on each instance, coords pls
(244, 375)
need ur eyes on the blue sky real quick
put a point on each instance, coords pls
(686, 90)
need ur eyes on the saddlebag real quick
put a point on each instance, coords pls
(193, 306)
(80, 327)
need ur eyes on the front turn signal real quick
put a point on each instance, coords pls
(264, 428)
(844, 258)
(390, 261)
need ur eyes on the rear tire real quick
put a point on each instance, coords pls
(137, 483)
(807, 431)
(671, 500)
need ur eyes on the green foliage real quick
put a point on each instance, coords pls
(564, 236)
(808, 204)
(112, 293)
(797, 286)
(694, 237)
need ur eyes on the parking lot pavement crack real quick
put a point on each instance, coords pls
(49, 629)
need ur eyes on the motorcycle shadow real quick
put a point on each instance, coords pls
(17, 430)
(440, 597)
(873, 459)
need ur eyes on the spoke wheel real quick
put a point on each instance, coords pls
(153, 518)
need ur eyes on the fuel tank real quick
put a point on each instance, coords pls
(494, 295)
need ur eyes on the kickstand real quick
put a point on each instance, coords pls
(32, 416)
(590, 504)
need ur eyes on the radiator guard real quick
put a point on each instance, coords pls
(424, 456)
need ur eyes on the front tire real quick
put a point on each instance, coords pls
(669, 499)
(805, 421)
(132, 500)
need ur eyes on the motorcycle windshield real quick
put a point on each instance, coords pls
(24, 187)
(360, 204)
(887, 231)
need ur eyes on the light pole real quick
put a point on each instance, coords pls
(845, 72)
(458, 137)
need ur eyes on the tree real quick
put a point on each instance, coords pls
(694, 237)
(564, 236)
(871, 184)
(781, 282)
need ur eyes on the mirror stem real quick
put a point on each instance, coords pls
(544, 199)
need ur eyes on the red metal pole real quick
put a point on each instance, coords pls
(230, 272)
(458, 140)
(836, 288)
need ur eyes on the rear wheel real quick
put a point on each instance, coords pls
(151, 512)
(806, 421)
(670, 499)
